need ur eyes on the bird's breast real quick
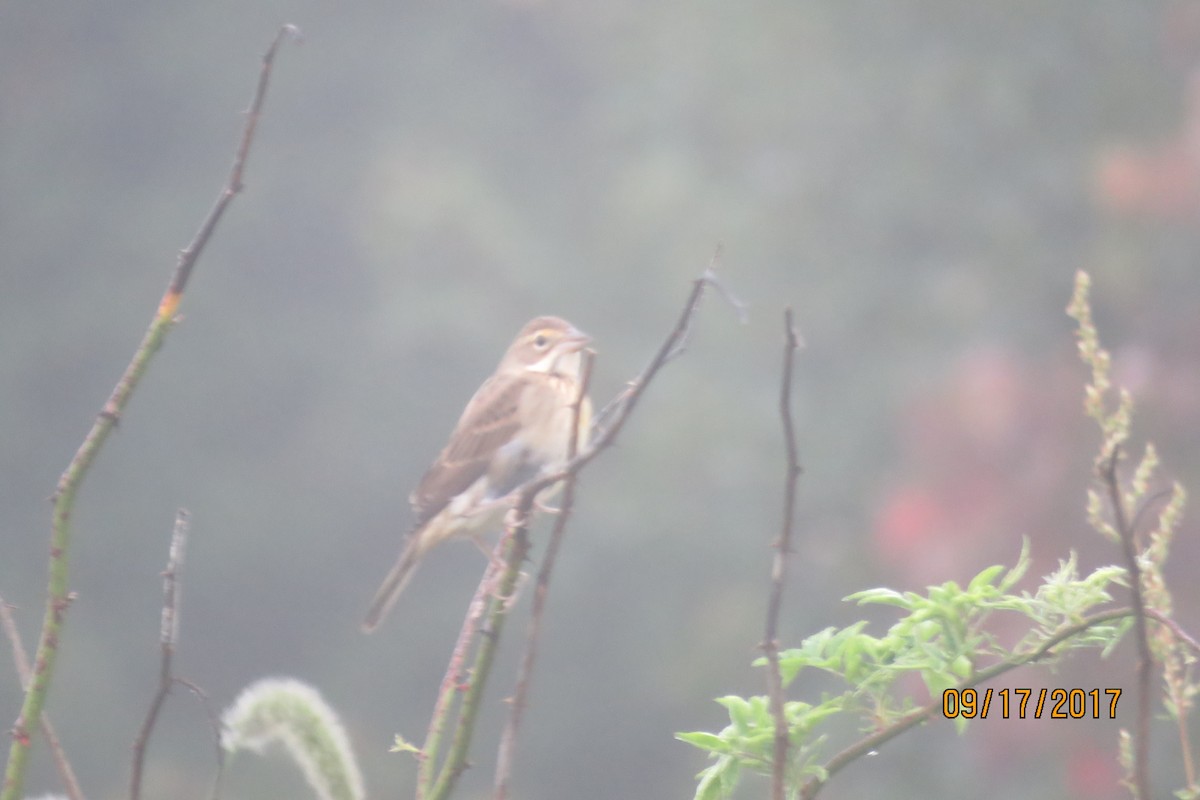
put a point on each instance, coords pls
(549, 414)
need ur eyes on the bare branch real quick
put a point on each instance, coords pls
(783, 546)
(167, 638)
(233, 186)
(621, 406)
(1176, 629)
(739, 306)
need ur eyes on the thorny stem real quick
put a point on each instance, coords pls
(57, 598)
(21, 661)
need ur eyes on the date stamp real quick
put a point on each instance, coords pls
(1036, 703)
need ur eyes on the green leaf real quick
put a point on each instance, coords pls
(962, 667)
(1019, 569)
(882, 596)
(1188, 793)
(926, 630)
(852, 658)
(938, 682)
(706, 741)
(802, 718)
(400, 745)
(739, 712)
(945, 594)
(718, 781)
(985, 578)
(1117, 632)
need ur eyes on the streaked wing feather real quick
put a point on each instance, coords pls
(488, 423)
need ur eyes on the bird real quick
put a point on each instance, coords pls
(516, 427)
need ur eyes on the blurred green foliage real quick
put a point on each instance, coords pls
(943, 638)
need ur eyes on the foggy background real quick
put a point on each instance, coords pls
(919, 180)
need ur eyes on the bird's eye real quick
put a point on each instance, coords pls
(539, 341)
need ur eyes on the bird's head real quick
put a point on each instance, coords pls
(546, 344)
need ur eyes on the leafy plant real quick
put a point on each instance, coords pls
(940, 637)
(946, 636)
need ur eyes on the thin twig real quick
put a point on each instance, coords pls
(604, 436)
(1141, 772)
(21, 661)
(1147, 505)
(674, 346)
(783, 547)
(233, 186)
(739, 306)
(168, 637)
(508, 740)
(1176, 629)
(214, 725)
(516, 548)
(106, 421)
(873, 742)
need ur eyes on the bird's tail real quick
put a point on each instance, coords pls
(395, 582)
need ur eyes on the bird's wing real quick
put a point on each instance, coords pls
(489, 422)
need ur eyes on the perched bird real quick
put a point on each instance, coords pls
(515, 428)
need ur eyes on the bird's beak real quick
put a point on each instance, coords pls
(575, 340)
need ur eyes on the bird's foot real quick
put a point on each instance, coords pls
(506, 601)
